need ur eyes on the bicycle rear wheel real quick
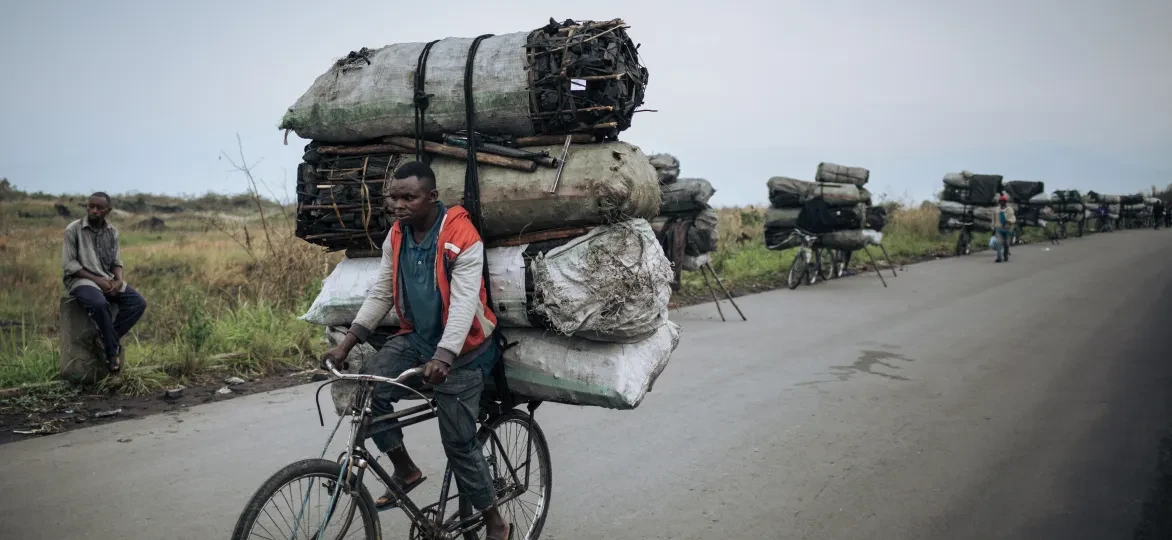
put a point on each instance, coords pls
(964, 243)
(797, 270)
(303, 499)
(523, 443)
(839, 263)
(825, 258)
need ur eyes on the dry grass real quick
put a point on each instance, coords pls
(218, 302)
(224, 288)
(745, 264)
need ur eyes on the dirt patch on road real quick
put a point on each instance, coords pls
(59, 408)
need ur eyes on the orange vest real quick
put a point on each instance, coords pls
(456, 234)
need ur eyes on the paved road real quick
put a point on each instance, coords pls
(967, 401)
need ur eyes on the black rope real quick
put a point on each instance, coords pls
(422, 100)
(471, 174)
(472, 204)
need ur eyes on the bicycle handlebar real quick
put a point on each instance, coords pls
(371, 378)
(805, 235)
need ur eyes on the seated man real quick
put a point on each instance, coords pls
(432, 275)
(93, 275)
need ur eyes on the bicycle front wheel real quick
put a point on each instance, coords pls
(305, 499)
(797, 270)
(840, 259)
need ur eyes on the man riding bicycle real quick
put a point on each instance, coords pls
(1104, 215)
(432, 275)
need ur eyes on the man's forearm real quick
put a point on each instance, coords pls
(118, 273)
(349, 341)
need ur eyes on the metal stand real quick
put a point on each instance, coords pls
(876, 265)
(889, 264)
(708, 267)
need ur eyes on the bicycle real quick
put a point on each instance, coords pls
(807, 256)
(1060, 228)
(964, 241)
(827, 263)
(1017, 237)
(342, 480)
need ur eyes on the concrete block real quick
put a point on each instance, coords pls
(81, 360)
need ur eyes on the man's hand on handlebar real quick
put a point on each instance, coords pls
(337, 356)
(339, 353)
(435, 372)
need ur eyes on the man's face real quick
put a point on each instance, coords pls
(408, 200)
(1001, 203)
(97, 210)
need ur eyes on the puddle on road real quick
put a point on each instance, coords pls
(868, 360)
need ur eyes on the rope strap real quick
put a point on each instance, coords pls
(422, 99)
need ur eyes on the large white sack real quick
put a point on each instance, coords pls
(344, 290)
(551, 367)
(611, 284)
(561, 369)
(342, 392)
(841, 174)
(342, 293)
(851, 240)
(360, 101)
(985, 213)
(693, 264)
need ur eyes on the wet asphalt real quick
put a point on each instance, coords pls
(968, 400)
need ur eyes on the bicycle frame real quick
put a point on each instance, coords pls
(358, 456)
(806, 251)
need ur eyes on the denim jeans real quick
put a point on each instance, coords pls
(457, 405)
(1003, 244)
(131, 306)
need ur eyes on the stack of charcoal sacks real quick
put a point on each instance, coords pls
(1096, 201)
(1133, 210)
(1033, 204)
(686, 225)
(577, 279)
(969, 198)
(1068, 205)
(1149, 210)
(834, 207)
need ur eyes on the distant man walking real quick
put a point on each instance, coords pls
(1003, 223)
(93, 275)
(1158, 212)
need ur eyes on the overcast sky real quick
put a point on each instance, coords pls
(143, 96)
